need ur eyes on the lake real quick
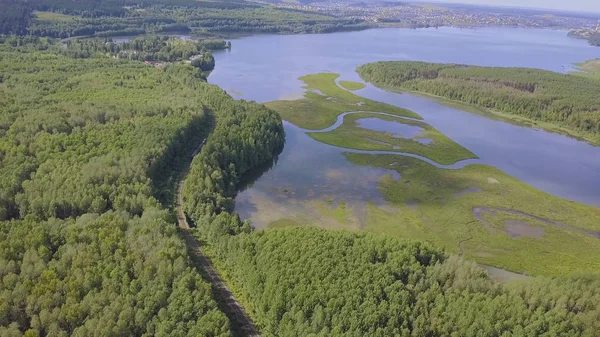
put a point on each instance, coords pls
(266, 68)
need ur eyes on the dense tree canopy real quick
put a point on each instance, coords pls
(108, 275)
(314, 282)
(90, 152)
(15, 17)
(595, 39)
(150, 48)
(65, 18)
(88, 135)
(247, 136)
(565, 100)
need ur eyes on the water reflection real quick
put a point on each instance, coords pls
(554, 163)
(267, 68)
(308, 172)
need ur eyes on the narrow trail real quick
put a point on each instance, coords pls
(228, 303)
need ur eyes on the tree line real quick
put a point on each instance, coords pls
(594, 40)
(114, 18)
(566, 100)
(150, 48)
(246, 136)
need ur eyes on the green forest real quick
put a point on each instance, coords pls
(91, 150)
(64, 19)
(305, 281)
(595, 39)
(102, 275)
(149, 48)
(566, 101)
(591, 35)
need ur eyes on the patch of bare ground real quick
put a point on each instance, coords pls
(517, 229)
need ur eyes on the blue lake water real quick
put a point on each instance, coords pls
(267, 67)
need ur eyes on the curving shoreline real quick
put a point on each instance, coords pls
(340, 120)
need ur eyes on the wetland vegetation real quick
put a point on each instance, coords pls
(568, 102)
(589, 68)
(350, 85)
(439, 204)
(471, 211)
(324, 100)
(426, 141)
(352, 283)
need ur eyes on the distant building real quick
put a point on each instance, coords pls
(598, 26)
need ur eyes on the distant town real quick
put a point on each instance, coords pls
(417, 15)
(585, 33)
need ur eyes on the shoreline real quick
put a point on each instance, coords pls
(497, 115)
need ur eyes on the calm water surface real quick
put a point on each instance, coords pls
(265, 68)
(308, 170)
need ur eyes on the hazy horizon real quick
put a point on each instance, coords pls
(572, 6)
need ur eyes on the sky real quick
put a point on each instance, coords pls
(571, 5)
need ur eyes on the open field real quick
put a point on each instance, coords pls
(324, 100)
(428, 142)
(52, 16)
(349, 85)
(589, 68)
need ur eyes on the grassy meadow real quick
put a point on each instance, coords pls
(350, 85)
(52, 16)
(324, 100)
(441, 149)
(589, 68)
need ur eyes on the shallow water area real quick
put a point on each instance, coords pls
(267, 67)
(309, 174)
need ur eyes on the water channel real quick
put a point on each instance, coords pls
(267, 67)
